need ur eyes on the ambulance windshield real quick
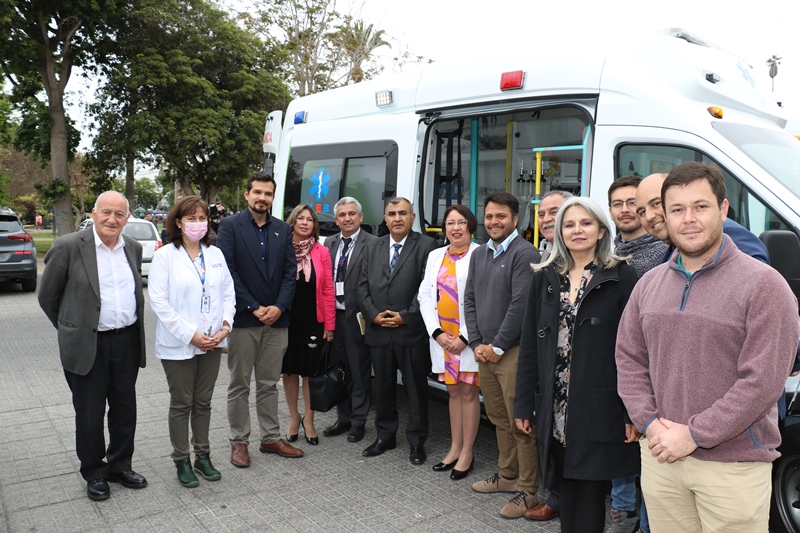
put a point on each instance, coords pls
(776, 152)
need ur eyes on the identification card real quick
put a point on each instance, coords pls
(340, 288)
(205, 304)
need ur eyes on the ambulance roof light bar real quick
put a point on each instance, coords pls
(512, 80)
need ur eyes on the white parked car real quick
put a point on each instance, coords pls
(143, 231)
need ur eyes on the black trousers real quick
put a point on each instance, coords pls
(413, 363)
(111, 380)
(349, 347)
(582, 502)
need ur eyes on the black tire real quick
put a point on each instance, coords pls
(29, 285)
(784, 513)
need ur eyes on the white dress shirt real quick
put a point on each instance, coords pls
(117, 287)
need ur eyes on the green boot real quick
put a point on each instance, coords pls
(186, 476)
(203, 466)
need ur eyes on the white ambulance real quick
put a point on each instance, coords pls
(528, 123)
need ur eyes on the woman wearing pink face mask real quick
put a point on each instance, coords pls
(191, 292)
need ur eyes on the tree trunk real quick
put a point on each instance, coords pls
(59, 163)
(130, 189)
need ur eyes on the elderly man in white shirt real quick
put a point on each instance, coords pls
(91, 291)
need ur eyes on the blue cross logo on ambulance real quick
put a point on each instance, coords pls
(321, 183)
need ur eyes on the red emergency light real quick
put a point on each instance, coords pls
(512, 80)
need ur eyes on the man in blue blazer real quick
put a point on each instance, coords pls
(393, 269)
(260, 255)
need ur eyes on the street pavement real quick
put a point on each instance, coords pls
(332, 488)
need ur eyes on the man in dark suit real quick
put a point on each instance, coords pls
(260, 255)
(91, 291)
(395, 333)
(347, 256)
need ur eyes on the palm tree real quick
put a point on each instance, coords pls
(773, 63)
(359, 41)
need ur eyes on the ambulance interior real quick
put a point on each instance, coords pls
(468, 158)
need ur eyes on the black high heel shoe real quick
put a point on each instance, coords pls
(444, 467)
(455, 475)
(293, 438)
(311, 440)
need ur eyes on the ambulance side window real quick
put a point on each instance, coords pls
(745, 207)
(320, 175)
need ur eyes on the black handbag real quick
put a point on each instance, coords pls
(327, 388)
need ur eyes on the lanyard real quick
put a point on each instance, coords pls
(202, 272)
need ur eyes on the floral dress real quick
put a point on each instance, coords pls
(567, 314)
(449, 319)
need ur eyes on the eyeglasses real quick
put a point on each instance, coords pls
(452, 223)
(630, 202)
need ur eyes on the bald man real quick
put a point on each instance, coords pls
(91, 291)
(651, 215)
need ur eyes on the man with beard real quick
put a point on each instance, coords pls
(260, 255)
(646, 251)
(704, 347)
(651, 216)
(494, 306)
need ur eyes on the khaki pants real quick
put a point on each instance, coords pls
(518, 453)
(706, 496)
(260, 349)
(191, 386)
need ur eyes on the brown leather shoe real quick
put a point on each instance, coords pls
(282, 448)
(240, 457)
(540, 513)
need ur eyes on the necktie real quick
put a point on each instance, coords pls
(341, 269)
(396, 255)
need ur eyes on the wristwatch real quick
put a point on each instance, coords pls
(498, 351)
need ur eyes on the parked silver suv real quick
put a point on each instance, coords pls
(17, 252)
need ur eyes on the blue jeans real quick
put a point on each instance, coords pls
(623, 498)
(623, 493)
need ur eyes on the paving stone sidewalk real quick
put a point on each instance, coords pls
(332, 488)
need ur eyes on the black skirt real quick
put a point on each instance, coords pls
(304, 353)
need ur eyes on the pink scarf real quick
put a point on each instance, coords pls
(302, 250)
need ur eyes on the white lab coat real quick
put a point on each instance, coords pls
(175, 295)
(428, 305)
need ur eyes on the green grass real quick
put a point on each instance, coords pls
(43, 244)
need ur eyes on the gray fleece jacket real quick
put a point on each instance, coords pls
(711, 351)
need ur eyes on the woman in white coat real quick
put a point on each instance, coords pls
(191, 292)
(441, 302)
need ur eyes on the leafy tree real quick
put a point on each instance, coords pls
(32, 134)
(148, 193)
(26, 206)
(5, 197)
(7, 125)
(40, 42)
(190, 89)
